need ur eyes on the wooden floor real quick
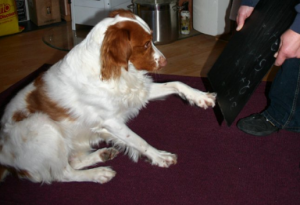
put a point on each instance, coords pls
(23, 53)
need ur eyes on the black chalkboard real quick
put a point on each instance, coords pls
(248, 55)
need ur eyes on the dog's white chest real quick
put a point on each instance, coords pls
(132, 91)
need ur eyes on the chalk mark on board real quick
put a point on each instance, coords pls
(274, 46)
(233, 105)
(244, 89)
(260, 65)
(274, 35)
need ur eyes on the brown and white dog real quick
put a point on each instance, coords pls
(49, 128)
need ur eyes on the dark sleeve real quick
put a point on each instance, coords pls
(296, 24)
(251, 3)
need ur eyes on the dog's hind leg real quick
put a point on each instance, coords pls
(99, 175)
(88, 159)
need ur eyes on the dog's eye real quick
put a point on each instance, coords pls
(147, 44)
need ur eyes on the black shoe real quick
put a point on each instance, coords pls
(257, 125)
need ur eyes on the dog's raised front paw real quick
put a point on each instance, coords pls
(164, 159)
(209, 100)
(203, 99)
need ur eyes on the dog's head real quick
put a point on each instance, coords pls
(128, 41)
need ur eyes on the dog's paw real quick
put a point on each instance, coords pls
(103, 174)
(209, 100)
(164, 159)
(108, 154)
(203, 99)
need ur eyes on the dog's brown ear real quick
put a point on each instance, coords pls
(115, 52)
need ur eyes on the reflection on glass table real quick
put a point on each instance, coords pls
(63, 38)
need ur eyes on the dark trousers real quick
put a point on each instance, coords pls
(284, 108)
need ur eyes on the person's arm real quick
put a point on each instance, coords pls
(251, 3)
(296, 24)
(290, 42)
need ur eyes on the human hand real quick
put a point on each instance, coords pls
(243, 13)
(289, 47)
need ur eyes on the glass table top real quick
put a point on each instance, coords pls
(63, 38)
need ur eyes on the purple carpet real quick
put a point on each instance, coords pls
(217, 165)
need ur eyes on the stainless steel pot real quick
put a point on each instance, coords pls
(162, 18)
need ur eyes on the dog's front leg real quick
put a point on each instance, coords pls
(124, 136)
(194, 96)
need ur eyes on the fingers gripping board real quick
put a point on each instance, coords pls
(249, 55)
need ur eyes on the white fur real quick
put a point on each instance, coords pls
(56, 150)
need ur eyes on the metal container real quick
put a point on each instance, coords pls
(161, 16)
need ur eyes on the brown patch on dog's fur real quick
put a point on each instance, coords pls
(13, 155)
(38, 101)
(5, 170)
(23, 174)
(19, 116)
(115, 52)
(126, 41)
